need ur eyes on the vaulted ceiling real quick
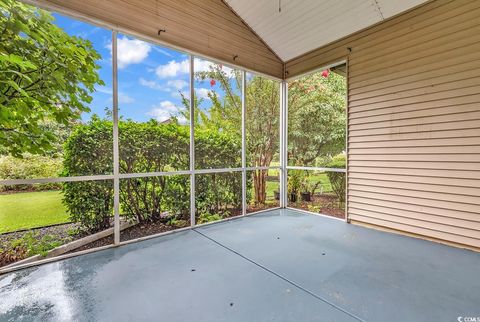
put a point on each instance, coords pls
(294, 27)
(259, 35)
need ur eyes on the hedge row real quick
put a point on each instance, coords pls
(29, 167)
(147, 147)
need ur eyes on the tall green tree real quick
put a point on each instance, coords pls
(262, 130)
(316, 118)
(46, 76)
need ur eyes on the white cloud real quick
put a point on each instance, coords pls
(124, 98)
(162, 51)
(149, 83)
(178, 94)
(203, 93)
(177, 84)
(171, 86)
(130, 51)
(175, 68)
(169, 106)
(164, 110)
(104, 89)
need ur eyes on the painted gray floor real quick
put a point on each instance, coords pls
(281, 265)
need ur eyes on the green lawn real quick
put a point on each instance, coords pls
(274, 185)
(31, 209)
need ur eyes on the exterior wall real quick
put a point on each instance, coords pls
(414, 121)
(205, 27)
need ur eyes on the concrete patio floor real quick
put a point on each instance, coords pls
(280, 265)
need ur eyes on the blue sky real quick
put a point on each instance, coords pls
(150, 77)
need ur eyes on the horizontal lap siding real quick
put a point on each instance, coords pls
(414, 121)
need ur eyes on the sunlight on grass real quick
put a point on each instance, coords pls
(31, 209)
(327, 187)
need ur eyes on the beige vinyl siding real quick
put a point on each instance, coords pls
(206, 27)
(413, 121)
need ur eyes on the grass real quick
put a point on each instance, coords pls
(274, 185)
(31, 209)
(323, 177)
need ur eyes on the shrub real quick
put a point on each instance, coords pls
(207, 217)
(89, 203)
(147, 147)
(29, 167)
(337, 179)
(295, 180)
(218, 194)
(89, 151)
(154, 147)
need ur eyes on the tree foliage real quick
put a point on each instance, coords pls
(30, 166)
(337, 179)
(46, 76)
(316, 118)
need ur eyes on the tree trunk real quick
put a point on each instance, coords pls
(259, 183)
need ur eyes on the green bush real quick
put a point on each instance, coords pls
(147, 147)
(29, 167)
(89, 151)
(207, 217)
(154, 147)
(217, 193)
(337, 179)
(89, 203)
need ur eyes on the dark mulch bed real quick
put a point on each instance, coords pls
(324, 204)
(148, 229)
(134, 232)
(60, 231)
(259, 207)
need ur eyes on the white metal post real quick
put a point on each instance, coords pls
(192, 142)
(244, 143)
(116, 179)
(283, 143)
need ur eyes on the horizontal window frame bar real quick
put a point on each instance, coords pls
(13, 182)
(317, 169)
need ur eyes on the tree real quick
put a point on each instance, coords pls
(262, 125)
(316, 118)
(262, 129)
(46, 76)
